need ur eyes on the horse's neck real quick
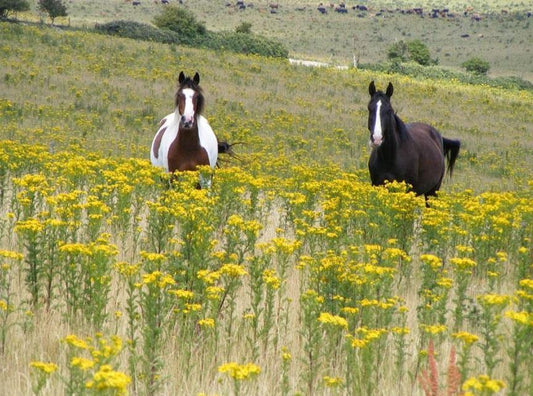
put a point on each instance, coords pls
(188, 139)
(391, 143)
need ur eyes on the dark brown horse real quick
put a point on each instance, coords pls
(413, 153)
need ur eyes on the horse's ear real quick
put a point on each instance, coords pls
(372, 88)
(181, 77)
(390, 90)
(196, 78)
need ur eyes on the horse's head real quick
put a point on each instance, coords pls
(380, 113)
(189, 99)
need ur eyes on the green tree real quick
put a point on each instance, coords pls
(476, 65)
(419, 52)
(54, 8)
(414, 50)
(7, 6)
(181, 21)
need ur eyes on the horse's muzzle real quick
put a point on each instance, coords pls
(375, 142)
(187, 122)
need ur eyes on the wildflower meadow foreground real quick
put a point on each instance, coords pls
(315, 283)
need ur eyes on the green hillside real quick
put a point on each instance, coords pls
(501, 36)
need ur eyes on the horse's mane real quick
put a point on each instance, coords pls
(402, 128)
(189, 83)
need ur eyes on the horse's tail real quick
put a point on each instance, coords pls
(227, 148)
(451, 151)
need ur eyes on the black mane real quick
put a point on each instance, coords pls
(402, 128)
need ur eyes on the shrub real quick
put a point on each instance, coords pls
(181, 21)
(398, 51)
(7, 6)
(440, 73)
(244, 27)
(138, 31)
(54, 8)
(245, 43)
(476, 65)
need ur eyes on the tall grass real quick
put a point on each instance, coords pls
(290, 267)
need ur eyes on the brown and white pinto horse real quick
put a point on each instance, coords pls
(412, 152)
(185, 139)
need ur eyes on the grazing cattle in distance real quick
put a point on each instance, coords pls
(341, 9)
(414, 153)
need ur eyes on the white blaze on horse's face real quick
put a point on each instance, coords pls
(187, 107)
(377, 131)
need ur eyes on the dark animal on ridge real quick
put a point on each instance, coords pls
(414, 153)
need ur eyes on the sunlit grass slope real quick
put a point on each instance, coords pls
(292, 275)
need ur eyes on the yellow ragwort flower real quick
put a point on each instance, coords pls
(521, 317)
(82, 363)
(333, 320)
(207, 322)
(47, 368)
(285, 354)
(11, 255)
(271, 280)
(434, 329)
(75, 341)
(493, 299)
(107, 378)
(466, 337)
(233, 270)
(240, 372)
(463, 264)
(483, 384)
(433, 261)
(332, 382)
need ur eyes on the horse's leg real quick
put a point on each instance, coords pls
(426, 200)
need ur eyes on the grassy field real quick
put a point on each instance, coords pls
(500, 39)
(292, 267)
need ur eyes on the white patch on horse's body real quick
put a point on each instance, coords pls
(207, 137)
(377, 132)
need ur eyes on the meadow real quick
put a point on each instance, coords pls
(291, 275)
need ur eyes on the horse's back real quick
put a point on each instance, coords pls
(428, 143)
(208, 140)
